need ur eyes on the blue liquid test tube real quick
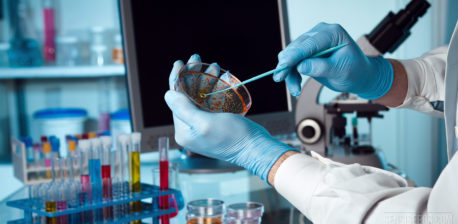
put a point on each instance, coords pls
(95, 174)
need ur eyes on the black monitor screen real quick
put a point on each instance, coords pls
(241, 36)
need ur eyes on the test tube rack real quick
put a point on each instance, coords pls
(22, 170)
(149, 210)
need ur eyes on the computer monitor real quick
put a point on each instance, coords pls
(244, 37)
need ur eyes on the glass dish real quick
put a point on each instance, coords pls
(197, 79)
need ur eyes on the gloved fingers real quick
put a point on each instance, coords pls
(291, 56)
(207, 84)
(223, 82)
(194, 63)
(315, 67)
(173, 78)
(213, 69)
(293, 82)
(184, 109)
(321, 37)
(226, 77)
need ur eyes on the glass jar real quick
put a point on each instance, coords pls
(205, 211)
(244, 213)
(68, 53)
(99, 46)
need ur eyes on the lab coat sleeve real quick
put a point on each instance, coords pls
(426, 87)
(328, 192)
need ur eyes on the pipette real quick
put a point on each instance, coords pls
(164, 175)
(332, 49)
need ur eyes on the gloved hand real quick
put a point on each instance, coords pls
(345, 70)
(225, 136)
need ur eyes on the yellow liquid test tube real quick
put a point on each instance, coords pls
(135, 172)
(51, 207)
(134, 166)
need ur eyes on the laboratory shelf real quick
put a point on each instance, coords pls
(31, 206)
(62, 72)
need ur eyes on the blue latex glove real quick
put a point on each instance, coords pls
(345, 70)
(225, 136)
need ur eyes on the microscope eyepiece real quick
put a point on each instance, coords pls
(395, 28)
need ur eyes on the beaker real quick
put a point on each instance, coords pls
(195, 80)
(244, 213)
(205, 211)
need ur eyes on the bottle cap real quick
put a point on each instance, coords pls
(92, 135)
(46, 147)
(71, 145)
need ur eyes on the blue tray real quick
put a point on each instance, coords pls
(29, 206)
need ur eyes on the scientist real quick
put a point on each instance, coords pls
(323, 190)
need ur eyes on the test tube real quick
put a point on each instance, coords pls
(28, 149)
(117, 183)
(164, 175)
(48, 157)
(95, 173)
(106, 175)
(124, 141)
(95, 170)
(74, 188)
(37, 155)
(134, 166)
(85, 194)
(51, 192)
(55, 145)
(61, 191)
(74, 157)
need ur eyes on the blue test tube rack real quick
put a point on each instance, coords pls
(149, 210)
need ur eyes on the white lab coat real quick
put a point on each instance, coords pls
(328, 192)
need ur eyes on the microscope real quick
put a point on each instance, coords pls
(322, 127)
